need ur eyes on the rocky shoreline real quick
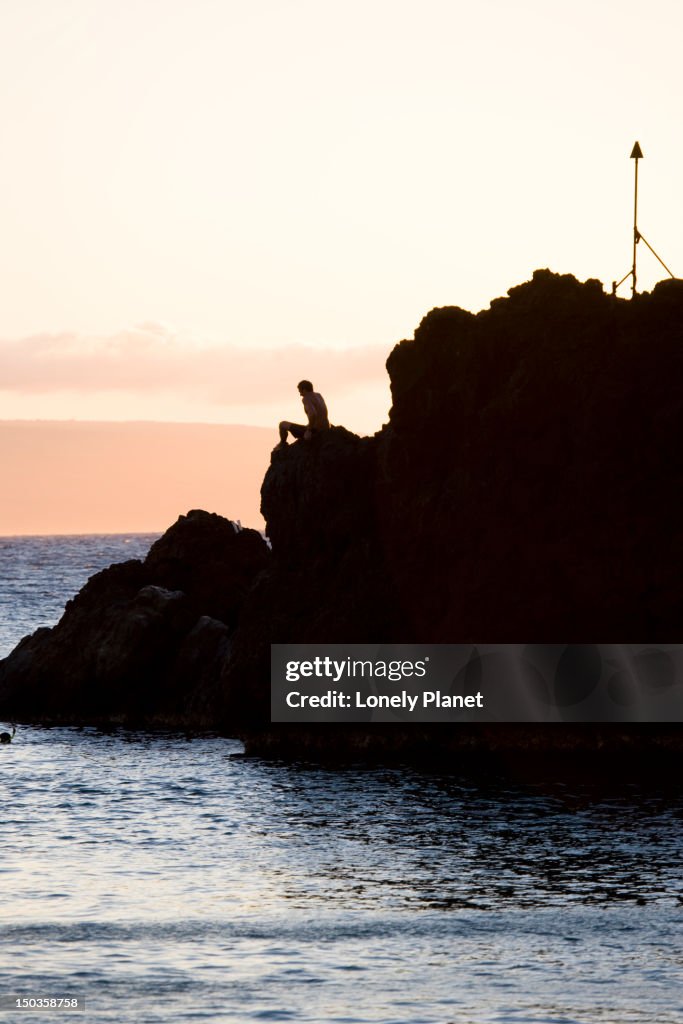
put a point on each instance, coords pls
(528, 483)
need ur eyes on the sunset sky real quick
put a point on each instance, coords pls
(203, 201)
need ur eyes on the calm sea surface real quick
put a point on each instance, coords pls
(168, 879)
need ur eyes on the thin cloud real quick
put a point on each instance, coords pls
(151, 358)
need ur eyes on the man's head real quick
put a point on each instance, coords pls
(304, 386)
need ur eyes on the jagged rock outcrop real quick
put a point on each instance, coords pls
(142, 641)
(327, 579)
(533, 455)
(527, 485)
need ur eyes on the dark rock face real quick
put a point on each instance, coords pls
(528, 483)
(328, 576)
(327, 579)
(210, 561)
(138, 643)
(533, 456)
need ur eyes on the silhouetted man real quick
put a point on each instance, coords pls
(316, 411)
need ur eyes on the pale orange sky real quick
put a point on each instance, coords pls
(201, 203)
(127, 477)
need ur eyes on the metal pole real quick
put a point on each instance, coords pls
(635, 230)
(636, 155)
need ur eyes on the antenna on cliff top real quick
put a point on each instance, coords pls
(637, 154)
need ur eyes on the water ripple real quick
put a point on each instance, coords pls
(169, 880)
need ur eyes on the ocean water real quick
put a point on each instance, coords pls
(165, 878)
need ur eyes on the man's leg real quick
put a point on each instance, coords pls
(295, 429)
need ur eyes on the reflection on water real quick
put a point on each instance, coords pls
(167, 880)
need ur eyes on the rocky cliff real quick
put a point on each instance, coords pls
(528, 484)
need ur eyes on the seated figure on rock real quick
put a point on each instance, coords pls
(316, 412)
